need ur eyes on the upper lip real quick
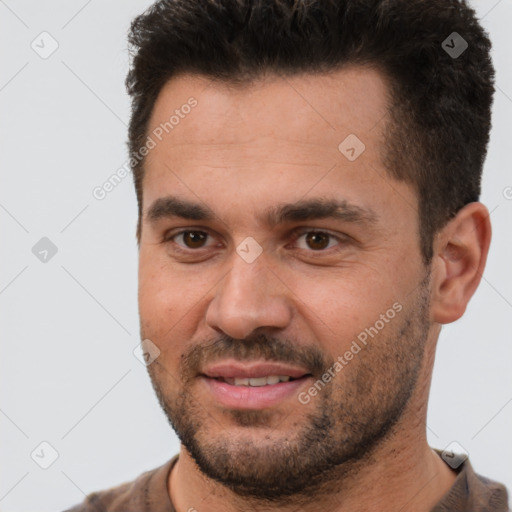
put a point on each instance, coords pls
(233, 369)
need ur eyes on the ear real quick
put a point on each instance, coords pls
(460, 253)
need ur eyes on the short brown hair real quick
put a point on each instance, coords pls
(440, 117)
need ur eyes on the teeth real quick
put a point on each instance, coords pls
(258, 381)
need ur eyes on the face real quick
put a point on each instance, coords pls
(269, 251)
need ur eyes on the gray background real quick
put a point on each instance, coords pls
(69, 325)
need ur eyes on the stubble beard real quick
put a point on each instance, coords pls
(349, 418)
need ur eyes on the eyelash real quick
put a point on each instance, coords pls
(168, 237)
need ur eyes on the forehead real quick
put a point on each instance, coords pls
(274, 136)
(303, 107)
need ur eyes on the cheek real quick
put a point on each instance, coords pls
(338, 309)
(160, 315)
(152, 289)
(160, 305)
(170, 305)
(160, 285)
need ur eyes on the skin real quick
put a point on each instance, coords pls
(240, 151)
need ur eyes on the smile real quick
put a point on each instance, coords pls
(256, 381)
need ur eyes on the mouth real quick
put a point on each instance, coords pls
(269, 380)
(257, 385)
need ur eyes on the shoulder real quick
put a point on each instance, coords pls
(470, 490)
(148, 492)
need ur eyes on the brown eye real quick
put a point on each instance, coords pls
(317, 241)
(193, 239)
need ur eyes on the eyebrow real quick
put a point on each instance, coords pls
(303, 210)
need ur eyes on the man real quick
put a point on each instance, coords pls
(308, 175)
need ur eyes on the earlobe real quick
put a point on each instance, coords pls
(460, 254)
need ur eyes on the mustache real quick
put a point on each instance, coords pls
(254, 347)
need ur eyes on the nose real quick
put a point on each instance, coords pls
(250, 296)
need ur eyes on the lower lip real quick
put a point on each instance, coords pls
(252, 397)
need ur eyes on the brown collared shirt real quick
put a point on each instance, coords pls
(148, 493)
